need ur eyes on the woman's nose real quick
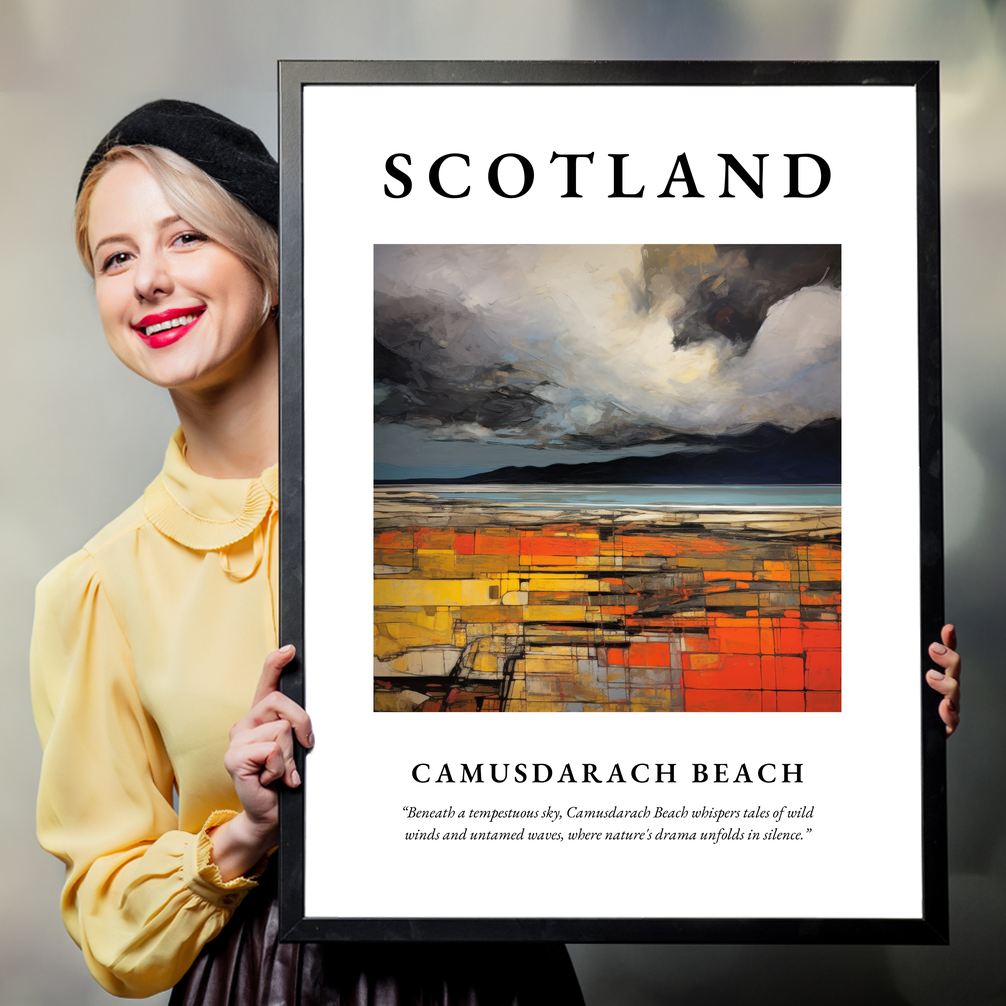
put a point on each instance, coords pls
(152, 277)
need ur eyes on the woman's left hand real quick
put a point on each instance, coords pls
(948, 681)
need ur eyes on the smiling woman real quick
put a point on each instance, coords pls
(149, 643)
(157, 279)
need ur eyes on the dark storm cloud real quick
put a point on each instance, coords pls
(604, 346)
(732, 297)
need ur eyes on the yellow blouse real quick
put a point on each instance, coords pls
(147, 647)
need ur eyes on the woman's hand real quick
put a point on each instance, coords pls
(260, 753)
(948, 681)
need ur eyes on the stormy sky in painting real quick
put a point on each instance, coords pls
(493, 356)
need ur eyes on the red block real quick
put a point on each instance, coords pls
(788, 640)
(726, 701)
(768, 672)
(496, 544)
(736, 639)
(790, 702)
(738, 670)
(701, 661)
(824, 702)
(649, 655)
(789, 673)
(818, 635)
(464, 544)
(560, 546)
(395, 539)
(824, 670)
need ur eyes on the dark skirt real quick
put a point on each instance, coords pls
(246, 965)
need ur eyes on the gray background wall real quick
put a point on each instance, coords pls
(82, 436)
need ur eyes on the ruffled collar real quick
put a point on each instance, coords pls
(203, 513)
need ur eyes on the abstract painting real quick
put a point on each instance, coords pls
(607, 478)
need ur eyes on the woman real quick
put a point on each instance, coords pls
(148, 643)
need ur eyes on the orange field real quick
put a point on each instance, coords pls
(605, 617)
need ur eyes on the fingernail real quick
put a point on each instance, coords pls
(938, 648)
(310, 740)
(287, 649)
(936, 675)
(295, 777)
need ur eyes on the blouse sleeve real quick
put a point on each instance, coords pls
(141, 898)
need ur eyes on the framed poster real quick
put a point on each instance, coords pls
(612, 388)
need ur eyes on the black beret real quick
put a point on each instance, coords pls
(231, 154)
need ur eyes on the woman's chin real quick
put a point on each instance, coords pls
(172, 374)
(196, 365)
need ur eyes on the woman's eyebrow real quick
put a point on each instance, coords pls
(109, 240)
(160, 225)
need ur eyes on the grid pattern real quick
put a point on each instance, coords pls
(606, 617)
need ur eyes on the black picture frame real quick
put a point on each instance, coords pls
(932, 925)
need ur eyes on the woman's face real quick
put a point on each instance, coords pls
(177, 308)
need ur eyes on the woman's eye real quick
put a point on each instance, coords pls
(114, 261)
(190, 238)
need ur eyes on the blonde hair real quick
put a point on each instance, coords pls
(199, 200)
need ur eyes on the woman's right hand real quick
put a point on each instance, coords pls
(259, 754)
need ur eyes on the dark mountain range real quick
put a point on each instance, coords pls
(766, 455)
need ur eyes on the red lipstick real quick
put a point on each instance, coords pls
(165, 333)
